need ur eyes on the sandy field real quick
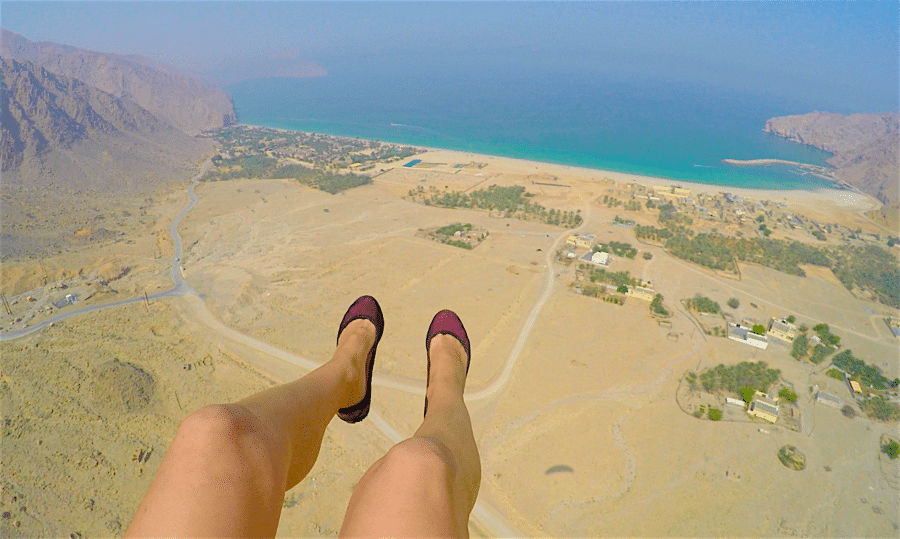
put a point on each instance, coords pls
(573, 399)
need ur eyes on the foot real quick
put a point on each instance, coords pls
(353, 347)
(448, 363)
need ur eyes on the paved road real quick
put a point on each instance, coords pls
(179, 288)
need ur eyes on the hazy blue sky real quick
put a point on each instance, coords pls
(844, 53)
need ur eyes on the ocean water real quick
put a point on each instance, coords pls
(637, 125)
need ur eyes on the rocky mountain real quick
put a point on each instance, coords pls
(84, 135)
(865, 147)
(59, 130)
(180, 100)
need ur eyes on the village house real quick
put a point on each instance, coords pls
(828, 400)
(601, 258)
(782, 330)
(763, 407)
(737, 332)
(639, 292)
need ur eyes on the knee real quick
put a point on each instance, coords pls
(223, 428)
(420, 459)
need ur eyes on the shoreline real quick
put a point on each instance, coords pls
(837, 194)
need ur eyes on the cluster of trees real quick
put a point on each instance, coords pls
(828, 345)
(800, 348)
(617, 248)
(826, 335)
(756, 376)
(880, 408)
(787, 395)
(445, 235)
(262, 167)
(867, 374)
(255, 166)
(611, 202)
(866, 267)
(452, 229)
(645, 232)
(459, 243)
(657, 307)
(714, 414)
(330, 182)
(512, 199)
(618, 278)
(703, 304)
(669, 215)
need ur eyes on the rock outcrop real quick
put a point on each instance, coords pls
(865, 147)
(185, 103)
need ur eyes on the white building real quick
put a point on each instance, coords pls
(600, 258)
(737, 332)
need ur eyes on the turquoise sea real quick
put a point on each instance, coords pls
(637, 125)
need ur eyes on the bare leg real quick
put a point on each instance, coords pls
(228, 467)
(426, 485)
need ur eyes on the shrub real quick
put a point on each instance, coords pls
(891, 449)
(800, 347)
(704, 304)
(747, 394)
(734, 303)
(715, 414)
(657, 306)
(744, 374)
(792, 458)
(787, 395)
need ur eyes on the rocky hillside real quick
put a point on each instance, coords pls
(59, 130)
(865, 147)
(174, 97)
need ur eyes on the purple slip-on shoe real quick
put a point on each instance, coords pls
(448, 323)
(364, 307)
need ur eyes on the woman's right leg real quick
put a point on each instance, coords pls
(426, 485)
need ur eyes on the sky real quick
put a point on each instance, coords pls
(844, 52)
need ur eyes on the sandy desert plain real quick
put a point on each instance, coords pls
(573, 399)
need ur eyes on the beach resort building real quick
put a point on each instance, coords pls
(741, 334)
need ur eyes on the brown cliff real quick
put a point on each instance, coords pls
(59, 130)
(187, 104)
(865, 147)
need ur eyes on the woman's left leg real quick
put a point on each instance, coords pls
(226, 471)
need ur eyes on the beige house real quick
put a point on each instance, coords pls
(763, 407)
(640, 292)
(782, 330)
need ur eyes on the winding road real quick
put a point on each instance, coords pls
(179, 288)
(485, 517)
